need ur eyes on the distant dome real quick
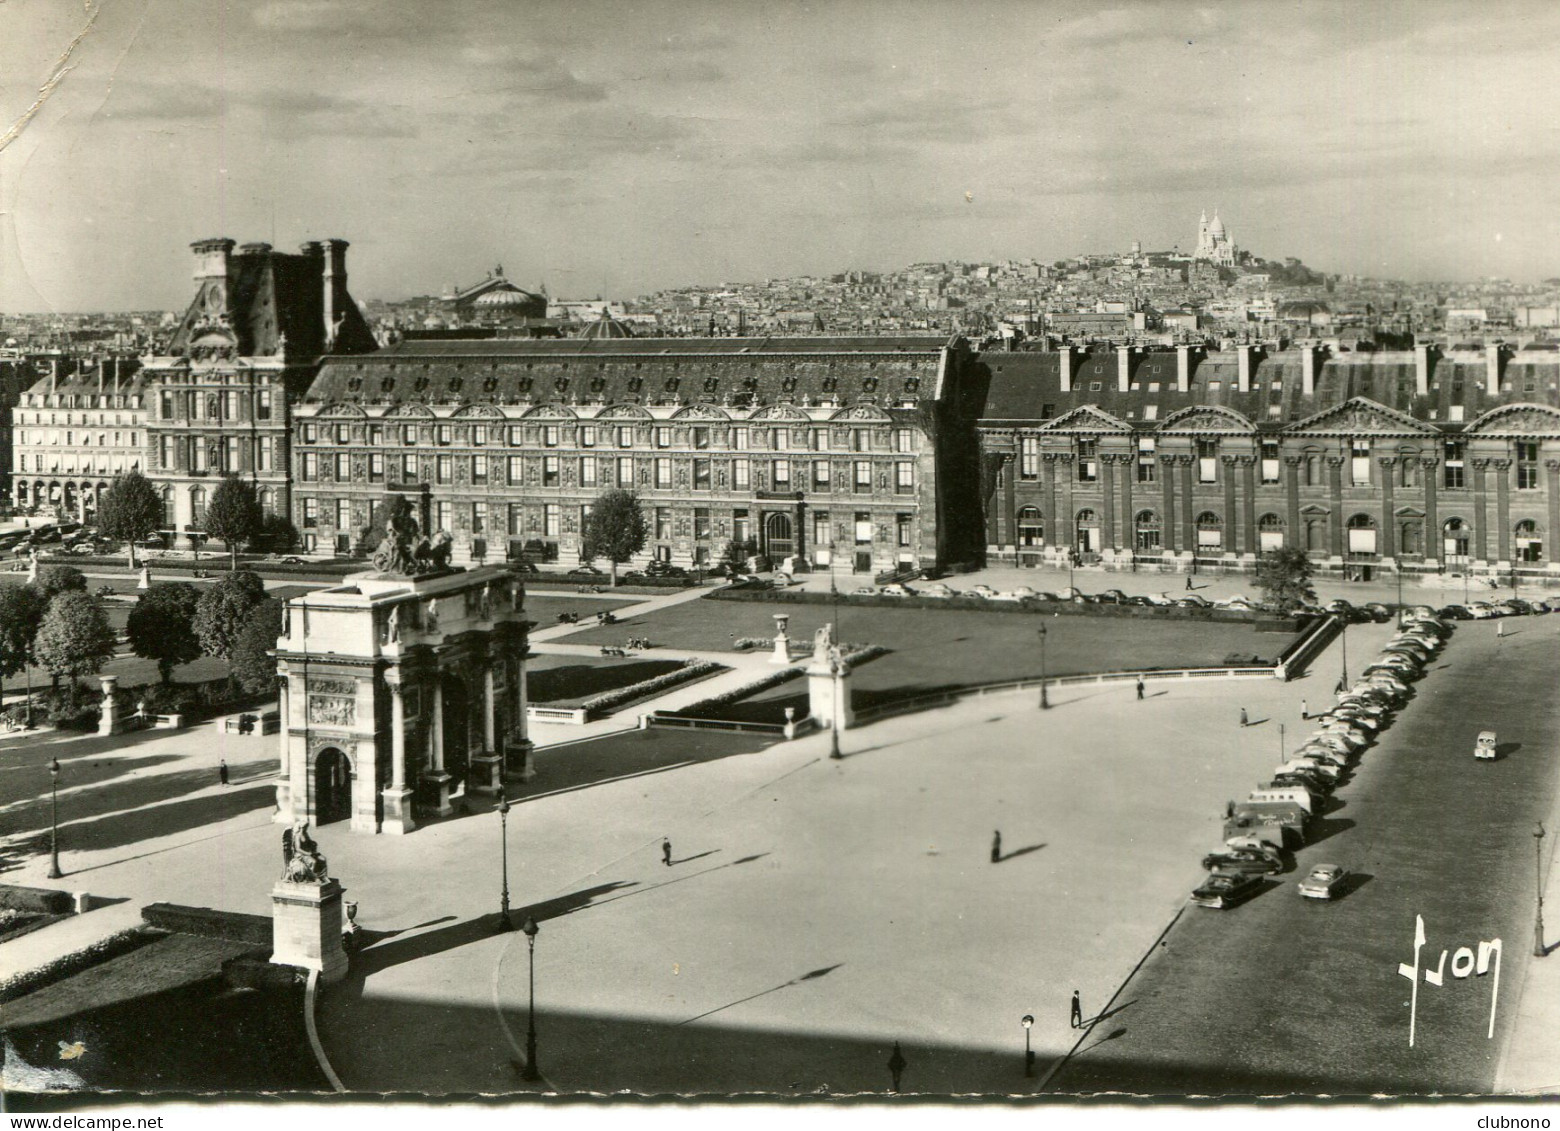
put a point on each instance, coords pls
(607, 327)
(504, 296)
(1217, 228)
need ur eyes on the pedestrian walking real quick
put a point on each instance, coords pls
(996, 846)
(1188, 583)
(1140, 687)
(1243, 720)
(666, 852)
(1305, 710)
(1077, 1012)
(222, 772)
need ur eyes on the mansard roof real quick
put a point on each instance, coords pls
(896, 372)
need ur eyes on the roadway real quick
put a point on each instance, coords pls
(1288, 995)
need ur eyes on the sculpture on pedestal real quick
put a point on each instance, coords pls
(402, 552)
(302, 862)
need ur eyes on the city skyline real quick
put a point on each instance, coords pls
(603, 150)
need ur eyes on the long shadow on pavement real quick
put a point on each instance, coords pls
(630, 754)
(119, 829)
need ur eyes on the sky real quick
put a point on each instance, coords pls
(613, 148)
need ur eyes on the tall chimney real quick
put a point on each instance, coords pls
(1492, 369)
(1067, 368)
(212, 259)
(1422, 370)
(1123, 367)
(1183, 369)
(1243, 368)
(1307, 371)
(335, 284)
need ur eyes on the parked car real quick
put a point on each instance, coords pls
(938, 590)
(1020, 592)
(1456, 612)
(985, 591)
(1314, 784)
(523, 568)
(1237, 602)
(1552, 604)
(1483, 610)
(895, 589)
(1243, 862)
(1111, 597)
(1193, 601)
(1138, 600)
(589, 571)
(1318, 752)
(1328, 769)
(1516, 607)
(1484, 746)
(1379, 612)
(664, 569)
(1323, 881)
(1222, 890)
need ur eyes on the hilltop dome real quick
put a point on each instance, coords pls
(1217, 228)
(505, 296)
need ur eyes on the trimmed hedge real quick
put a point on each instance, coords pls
(692, 669)
(854, 654)
(38, 901)
(122, 942)
(233, 926)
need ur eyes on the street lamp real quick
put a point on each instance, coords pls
(530, 930)
(54, 820)
(1027, 1021)
(1538, 919)
(834, 720)
(1044, 702)
(1343, 640)
(504, 923)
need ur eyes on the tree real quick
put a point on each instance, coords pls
(223, 609)
(162, 626)
(233, 515)
(56, 579)
(74, 639)
(277, 534)
(21, 612)
(1284, 576)
(616, 529)
(251, 664)
(131, 510)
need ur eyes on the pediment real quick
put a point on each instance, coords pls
(624, 412)
(484, 411)
(413, 408)
(1315, 509)
(1086, 418)
(780, 412)
(701, 411)
(1517, 420)
(549, 412)
(1409, 512)
(866, 413)
(1207, 418)
(1360, 416)
(337, 408)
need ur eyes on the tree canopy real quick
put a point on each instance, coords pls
(234, 514)
(223, 609)
(250, 663)
(1284, 577)
(21, 612)
(56, 579)
(616, 529)
(130, 510)
(161, 627)
(74, 639)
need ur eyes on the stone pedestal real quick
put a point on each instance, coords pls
(782, 652)
(108, 721)
(487, 774)
(822, 685)
(398, 819)
(438, 783)
(306, 927)
(145, 582)
(519, 754)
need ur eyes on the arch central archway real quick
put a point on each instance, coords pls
(332, 786)
(779, 535)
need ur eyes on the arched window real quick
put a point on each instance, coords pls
(1210, 531)
(1270, 533)
(1031, 528)
(21, 493)
(267, 499)
(1362, 534)
(1454, 539)
(197, 506)
(1530, 546)
(1312, 470)
(1088, 540)
(1146, 532)
(167, 506)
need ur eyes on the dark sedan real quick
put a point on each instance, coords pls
(1221, 890)
(1243, 862)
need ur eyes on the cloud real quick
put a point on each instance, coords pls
(289, 110)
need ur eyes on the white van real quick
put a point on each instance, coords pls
(1484, 747)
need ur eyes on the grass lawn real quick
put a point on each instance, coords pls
(560, 681)
(939, 649)
(543, 608)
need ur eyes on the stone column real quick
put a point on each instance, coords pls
(1188, 514)
(1335, 497)
(1052, 515)
(1296, 533)
(284, 807)
(1388, 465)
(1167, 527)
(398, 798)
(1009, 532)
(1069, 528)
(1427, 467)
(1502, 468)
(1480, 526)
(521, 745)
(108, 721)
(1248, 509)
(1108, 483)
(1128, 525)
(487, 767)
(435, 777)
(1231, 537)
(1552, 535)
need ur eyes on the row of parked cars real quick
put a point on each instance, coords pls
(1273, 819)
(939, 590)
(1510, 607)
